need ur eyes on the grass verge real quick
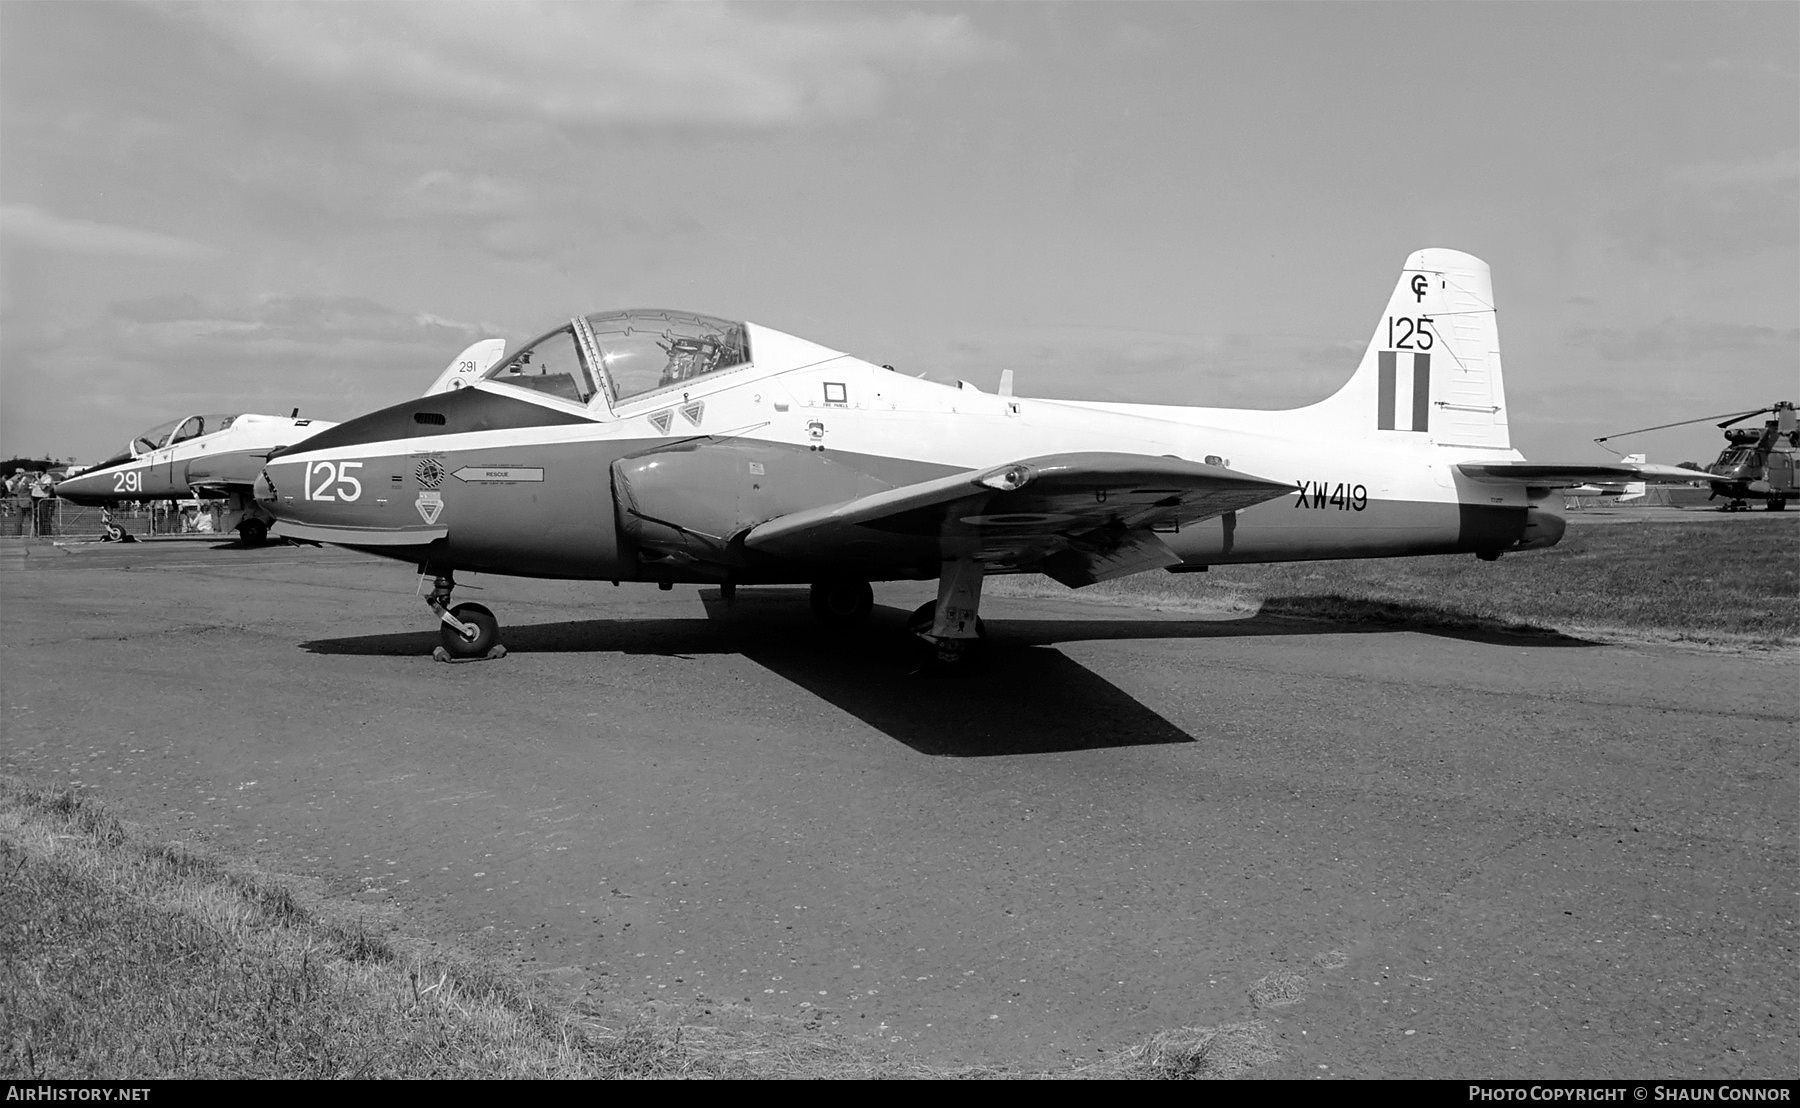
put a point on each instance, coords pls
(1734, 583)
(124, 959)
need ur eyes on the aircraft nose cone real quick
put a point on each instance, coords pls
(75, 488)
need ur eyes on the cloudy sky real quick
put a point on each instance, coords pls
(257, 206)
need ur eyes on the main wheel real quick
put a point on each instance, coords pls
(487, 632)
(842, 603)
(1777, 505)
(919, 623)
(253, 532)
(942, 657)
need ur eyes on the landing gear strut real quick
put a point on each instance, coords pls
(951, 625)
(467, 630)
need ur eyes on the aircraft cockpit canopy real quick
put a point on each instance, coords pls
(643, 351)
(1740, 456)
(551, 364)
(178, 431)
(628, 354)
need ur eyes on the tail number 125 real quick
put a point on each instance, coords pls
(332, 481)
(1409, 333)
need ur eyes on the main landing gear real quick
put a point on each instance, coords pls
(842, 603)
(468, 630)
(948, 628)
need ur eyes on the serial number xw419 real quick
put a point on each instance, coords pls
(1324, 494)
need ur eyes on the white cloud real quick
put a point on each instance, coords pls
(1710, 212)
(80, 390)
(1687, 342)
(702, 63)
(28, 225)
(1765, 68)
(444, 192)
(184, 324)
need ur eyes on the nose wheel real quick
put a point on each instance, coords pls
(478, 636)
(466, 631)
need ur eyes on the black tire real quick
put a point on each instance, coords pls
(487, 633)
(919, 623)
(942, 658)
(1777, 505)
(253, 532)
(842, 603)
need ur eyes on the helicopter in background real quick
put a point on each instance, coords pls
(1759, 463)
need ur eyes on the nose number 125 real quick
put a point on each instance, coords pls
(332, 481)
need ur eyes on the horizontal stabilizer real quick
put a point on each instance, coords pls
(1552, 476)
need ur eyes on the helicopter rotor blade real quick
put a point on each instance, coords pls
(1734, 417)
(1745, 416)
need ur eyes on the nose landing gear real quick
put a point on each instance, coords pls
(467, 630)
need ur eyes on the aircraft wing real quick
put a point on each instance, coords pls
(1563, 476)
(1080, 517)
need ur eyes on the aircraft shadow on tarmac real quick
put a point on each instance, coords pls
(1024, 697)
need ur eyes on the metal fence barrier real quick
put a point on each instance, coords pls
(53, 517)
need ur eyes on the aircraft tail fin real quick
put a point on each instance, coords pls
(468, 365)
(1634, 490)
(1432, 369)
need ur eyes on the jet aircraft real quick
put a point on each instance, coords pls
(220, 456)
(198, 456)
(671, 447)
(468, 366)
